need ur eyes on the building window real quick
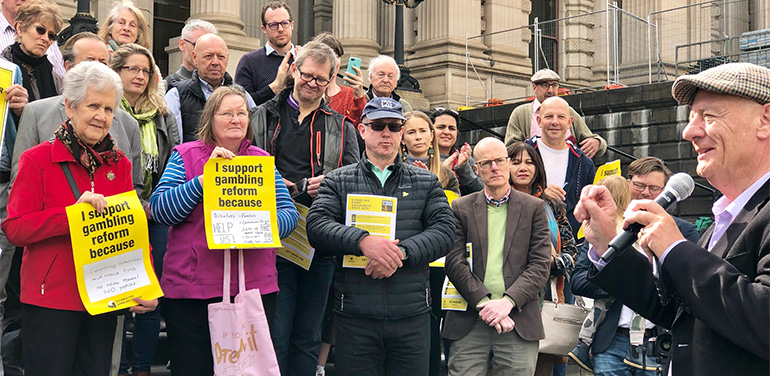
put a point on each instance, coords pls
(169, 17)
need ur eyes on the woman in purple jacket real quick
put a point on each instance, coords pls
(192, 274)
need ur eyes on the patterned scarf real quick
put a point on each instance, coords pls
(150, 153)
(91, 158)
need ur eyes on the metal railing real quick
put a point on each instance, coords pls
(590, 51)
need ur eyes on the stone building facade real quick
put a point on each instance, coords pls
(443, 36)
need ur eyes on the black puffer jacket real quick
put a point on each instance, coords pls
(424, 227)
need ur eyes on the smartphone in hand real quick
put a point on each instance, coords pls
(353, 62)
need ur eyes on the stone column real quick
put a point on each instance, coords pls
(323, 16)
(509, 50)
(439, 60)
(577, 45)
(354, 24)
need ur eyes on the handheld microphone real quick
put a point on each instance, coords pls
(678, 188)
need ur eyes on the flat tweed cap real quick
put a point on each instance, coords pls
(545, 75)
(740, 79)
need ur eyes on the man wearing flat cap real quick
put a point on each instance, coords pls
(714, 295)
(523, 122)
(382, 305)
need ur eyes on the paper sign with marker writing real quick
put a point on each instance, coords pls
(111, 251)
(296, 248)
(239, 203)
(376, 214)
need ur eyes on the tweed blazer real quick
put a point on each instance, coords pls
(526, 261)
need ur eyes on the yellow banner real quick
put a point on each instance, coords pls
(607, 169)
(112, 254)
(376, 214)
(239, 203)
(296, 248)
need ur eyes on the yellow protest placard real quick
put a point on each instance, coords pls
(376, 214)
(7, 71)
(296, 248)
(439, 262)
(239, 203)
(112, 254)
(607, 169)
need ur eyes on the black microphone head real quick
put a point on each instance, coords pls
(681, 185)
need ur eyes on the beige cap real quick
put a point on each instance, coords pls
(740, 79)
(545, 75)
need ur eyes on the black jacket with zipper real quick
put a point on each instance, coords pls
(333, 140)
(424, 227)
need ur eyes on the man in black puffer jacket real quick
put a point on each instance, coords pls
(383, 310)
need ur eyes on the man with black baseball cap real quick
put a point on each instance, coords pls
(714, 295)
(382, 306)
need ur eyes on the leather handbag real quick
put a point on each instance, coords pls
(562, 323)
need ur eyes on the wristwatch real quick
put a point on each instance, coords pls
(403, 252)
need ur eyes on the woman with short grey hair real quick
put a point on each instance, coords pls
(56, 327)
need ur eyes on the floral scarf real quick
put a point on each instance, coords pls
(91, 158)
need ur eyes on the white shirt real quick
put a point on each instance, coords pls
(269, 49)
(555, 162)
(7, 34)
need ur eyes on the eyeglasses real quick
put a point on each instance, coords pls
(378, 126)
(546, 85)
(229, 115)
(309, 78)
(486, 164)
(135, 70)
(42, 31)
(188, 41)
(285, 24)
(639, 187)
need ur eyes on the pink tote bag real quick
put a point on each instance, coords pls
(240, 336)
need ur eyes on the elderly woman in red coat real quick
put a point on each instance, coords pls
(58, 336)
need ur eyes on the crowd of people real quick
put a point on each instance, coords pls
(96, 118)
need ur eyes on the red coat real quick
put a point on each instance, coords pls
(37, 221)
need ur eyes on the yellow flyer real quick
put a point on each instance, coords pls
(296, 248)
(451, 300)
(439, 262)
(7, 72)
(376, 214)
(112, 254)
(239, 203)
(607, 169)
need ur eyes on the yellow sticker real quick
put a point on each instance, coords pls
(111, 251)
(239, 203)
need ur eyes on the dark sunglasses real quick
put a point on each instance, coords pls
(377, 126)
(42, 31)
